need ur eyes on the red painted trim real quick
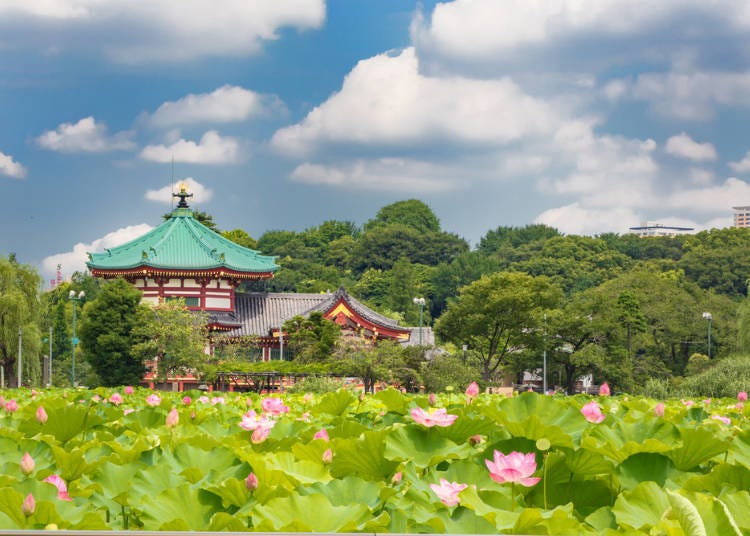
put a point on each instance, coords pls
(144, 271)
(382, 331)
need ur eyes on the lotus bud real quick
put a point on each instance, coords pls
(41, 415)
(604, 389)
(116, 399)
(27, 464)
(251, 482)
(659, 409)
(321, 434)
(11, 406)
(29, 505)
(192, 416)
(475, 439)
(187, 400)
(472, 390)
(742, 396)
(307, 398)
(432, 399)
(173, 418)
(129, 390)
(397, 477)
(327, 456)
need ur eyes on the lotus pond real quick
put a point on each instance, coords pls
(390, 462)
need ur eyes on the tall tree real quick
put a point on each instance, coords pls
(20, 310)
(172, 336)
(498, 317)
(107, 335)
(312, 339)
(411, 213)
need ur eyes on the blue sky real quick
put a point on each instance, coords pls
(587, 115)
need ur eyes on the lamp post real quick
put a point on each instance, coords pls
(709, 317)
(544, 358)
(20, 343)
(75, 299)
(420, 302)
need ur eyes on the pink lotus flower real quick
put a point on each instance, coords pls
(604, 389)
(327, 457)
(472, 390)
(707, 401)
(186, 400)
(29, 505)
(203, 399)
(173, 418)
(27, 464)
(96, 398)
(321, 434)
(251, 482)
(307, 398)
(127, 411)
(260, 434)
(659, 409)
(273, 405)
(592, 412)
(115, 399)
(153, 400)
(11, 406)
(515, 467)
(41, 415)
(432, 399)
(129, 390)
(739, 406)
(217, 400)
(687, 403)
(448, 491)
(742, 396)
(433, 417)
(725, 420)
(59, 483)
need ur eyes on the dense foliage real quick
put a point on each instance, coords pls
(461, 463)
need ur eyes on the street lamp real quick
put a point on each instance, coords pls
(75, 299)
(420, 302)
(707, 316)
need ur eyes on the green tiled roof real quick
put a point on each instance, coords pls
(182, 243)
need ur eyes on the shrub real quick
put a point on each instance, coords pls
(724, 379)
(316, 384)
(445, 371)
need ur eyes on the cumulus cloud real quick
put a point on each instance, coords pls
(741, 166)
(201, 194)
(211, 149)
(75, 260)
(85, 136)
(156, 30)
(11, 168)
(684, 146)
(390, 174)
(385, 101)
(581, 220)
(226, 104)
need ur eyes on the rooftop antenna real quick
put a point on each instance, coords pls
(172, 200)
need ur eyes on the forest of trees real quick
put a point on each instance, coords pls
(624, 308)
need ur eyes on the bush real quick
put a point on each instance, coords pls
(316, 384)
(697, 363)
(659, 388)
(445, 371)
(724, 379)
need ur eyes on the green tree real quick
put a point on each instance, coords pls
(411, 213)
(312, 339)
(172, 336)
(498, 317)
(107, 336)
(238, 236)
(629, 309)
(20, 309)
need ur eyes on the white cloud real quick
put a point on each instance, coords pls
(581, 220)
(138, 31)
(226, 104)
(470, 30)
(389, 174)
(211, 149)
(11, 168)
(201, 194)
(85, 136)
(701, 177)
(385, 100)
(710, 200)
(684, 146)
(75, 260)
(743, 166)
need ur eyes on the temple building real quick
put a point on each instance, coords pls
(182, 258)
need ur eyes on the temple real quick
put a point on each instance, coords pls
(182, 258)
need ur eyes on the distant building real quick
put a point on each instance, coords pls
(741, 216)
(651, 228)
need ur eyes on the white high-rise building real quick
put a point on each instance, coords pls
(651, 228)
(741, 216)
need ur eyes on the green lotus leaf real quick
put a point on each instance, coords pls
(463, 521)
(115, 481)
(739, 450)
(223, 522)
(179, 508)
(232, 492)
(270, 477)
(146, 419)
(393, 401)
(602, 519)
(698, 446)
(535, 417)
(64, 422)
(643, 467)
(191, 456)
(312, 451)
(347, 428)
(561, 520)
(467, 426)
(687, 515)
(643, 506)
(493, 506)
(586, 462)
(713, 515)
(71, 463)
(363, 457)
(738, 504)
(302, 471)
(315, 513)
(422, 446)
(335, 403)
(152, 480)
(10, 505)
(723, 477)
(340, 492)
(467, 471)
(624, 439)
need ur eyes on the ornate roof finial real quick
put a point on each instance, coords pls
(183, 195)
